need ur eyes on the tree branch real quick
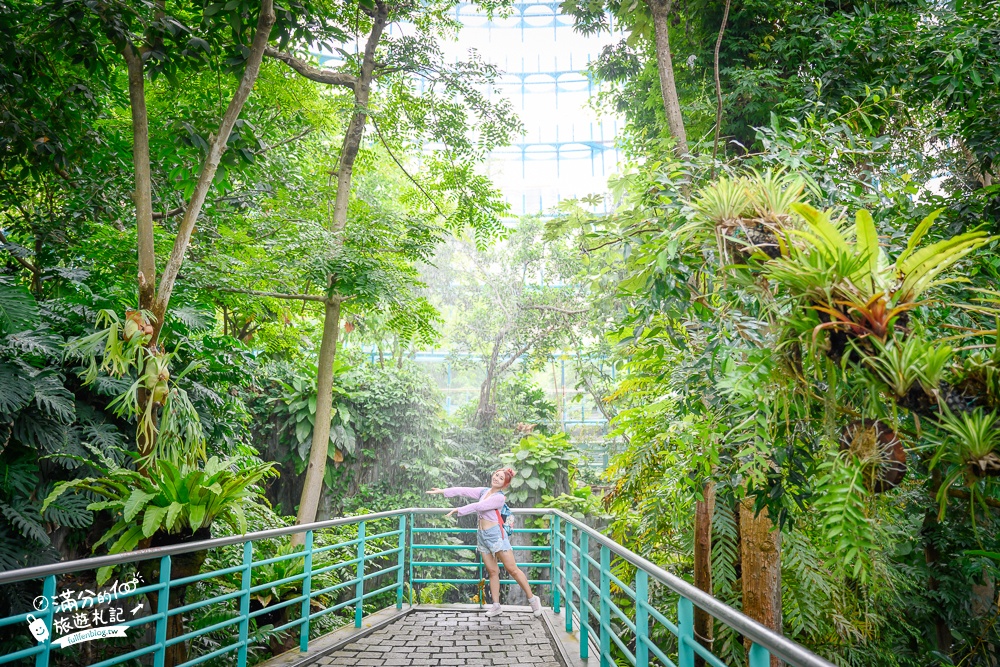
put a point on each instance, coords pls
(524, 348)
(554, 309)
(168, 214)
(964, 495)
(216, 149)
(20, 260)
(317, 74)
(284, 142)
(718, 88)
(403, 169)
(142, 195)
(621, 238)
(273, 295)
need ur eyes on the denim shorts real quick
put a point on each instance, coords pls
(489, 540)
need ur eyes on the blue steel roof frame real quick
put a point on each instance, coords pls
(567, 79)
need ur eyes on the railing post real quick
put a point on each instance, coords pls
(685, 636)
(584, 596)
(759, 656)
(567, 575)
(413, 590)
(554, 536)
(48, 591)
(402, 561)
(605, 607)
(307, 563)
(641, 619)
(360, 590)
(241, 659)
(162, 607)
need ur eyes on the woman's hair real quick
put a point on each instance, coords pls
(508, 475)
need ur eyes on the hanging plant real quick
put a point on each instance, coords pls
(749, 213)
(165, 418)
(972, 440)
(879, 450)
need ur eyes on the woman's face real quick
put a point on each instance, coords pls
(498, 479)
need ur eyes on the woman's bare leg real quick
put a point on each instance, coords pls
(493, 571)
(507, 557)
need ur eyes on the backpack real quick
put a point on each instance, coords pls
(504, 516)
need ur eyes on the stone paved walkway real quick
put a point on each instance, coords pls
(438, 637)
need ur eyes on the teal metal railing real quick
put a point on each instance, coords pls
(370, 562)
(579, 553)
(573, 553)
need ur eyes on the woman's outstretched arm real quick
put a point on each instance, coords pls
(494, 502)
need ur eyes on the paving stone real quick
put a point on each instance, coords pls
(438, 638)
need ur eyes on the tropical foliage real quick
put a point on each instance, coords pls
(219, 254)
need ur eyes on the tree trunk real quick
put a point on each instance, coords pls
(318, 452)
(485, 411)
(312, 490)
(760, 546)
(704, 511)
(182, 566)
(143, 197)
(356, 128)
(671, 105)
(718, 87)
(207, 175)
(942, 633)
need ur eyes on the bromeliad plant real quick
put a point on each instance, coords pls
(749, 212)
(913, 369)
(970, 443)
(846, 277)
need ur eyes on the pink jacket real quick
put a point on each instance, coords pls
(487, 508)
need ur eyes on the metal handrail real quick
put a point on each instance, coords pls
(65, 567)
(757, 633)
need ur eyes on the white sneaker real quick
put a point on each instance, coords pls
(536, 605)
(495, 610)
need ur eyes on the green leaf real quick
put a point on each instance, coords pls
(18, 310)
(867, 246)
(53, 398)
(173, 511)
(128, 541)
(152, 520)
(917, 236)
(136, 501)
(104, 573)
(24, 516)
(303, 430)
(16, 389)
(196, 514)
(241, 520)
(70, 510)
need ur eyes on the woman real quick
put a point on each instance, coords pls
(492, 538)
